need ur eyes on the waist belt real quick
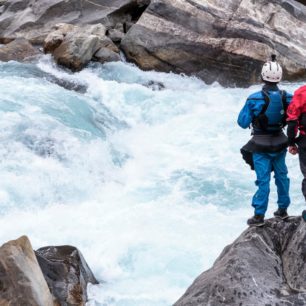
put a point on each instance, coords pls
(267, 143)
(272, 133)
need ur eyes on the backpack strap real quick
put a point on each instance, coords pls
(267, 102)
(284, 99)
(285, 106)
(261, 121)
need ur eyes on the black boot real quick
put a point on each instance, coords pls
(304, 215)
(281, 213)
(257, 220)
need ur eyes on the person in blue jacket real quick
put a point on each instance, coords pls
(265, 112)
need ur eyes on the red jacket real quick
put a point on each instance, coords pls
(297, 107)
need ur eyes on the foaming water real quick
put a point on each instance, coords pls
(142, 172)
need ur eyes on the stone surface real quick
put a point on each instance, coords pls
(104, 55)
(79, 46)
(216, 40)
(67, 274)
(33, 19)
(57, 36)
(264, 266)
(115, 35)
(21, 279)
(17, 50)
(74, 46)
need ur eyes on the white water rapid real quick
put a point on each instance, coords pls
(149, 184)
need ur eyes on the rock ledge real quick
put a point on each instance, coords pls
(264, 266)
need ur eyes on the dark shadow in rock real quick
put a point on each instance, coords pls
(129, 13)
(301, 1)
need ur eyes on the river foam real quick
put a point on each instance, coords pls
(147, 183)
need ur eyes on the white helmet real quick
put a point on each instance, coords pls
(272, 71)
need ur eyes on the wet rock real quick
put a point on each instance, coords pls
(78, 87)
(224, 41)
(67, 84)
(17, 50)
(155, 86)
(66, 273)
(21, 279)
(264, 266)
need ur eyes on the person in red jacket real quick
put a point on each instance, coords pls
(296, 131)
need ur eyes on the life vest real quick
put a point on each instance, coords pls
(272, 117)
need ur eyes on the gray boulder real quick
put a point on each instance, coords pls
(17, 50)
(264, 266)
(75, 46)
(66, 273)
(225, 41)
(104, 55)
(21, 279)
(57, 36)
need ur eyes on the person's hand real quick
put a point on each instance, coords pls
(293, 150)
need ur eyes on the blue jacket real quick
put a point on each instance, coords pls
(254, 105)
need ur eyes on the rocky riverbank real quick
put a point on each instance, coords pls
(213, 40)
(264, 266)
(49, 276)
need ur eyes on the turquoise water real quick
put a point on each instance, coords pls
(148, 184)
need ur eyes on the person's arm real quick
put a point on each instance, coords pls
(245, 116)
(291, 132)
(293, 114)
(289, 97)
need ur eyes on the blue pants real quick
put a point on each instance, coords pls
(263, 163)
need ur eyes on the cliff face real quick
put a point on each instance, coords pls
(225, 41)
(33, 19)
(264, 266)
